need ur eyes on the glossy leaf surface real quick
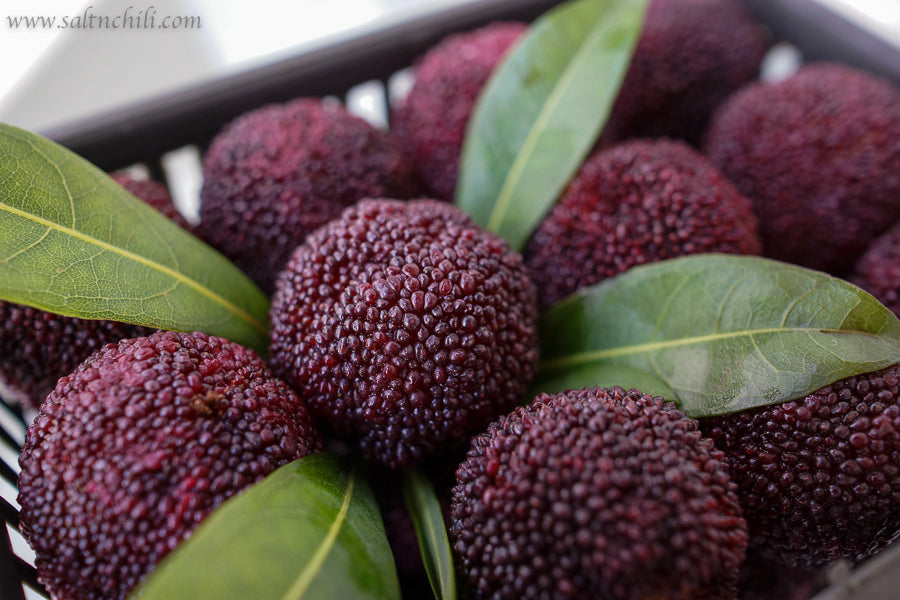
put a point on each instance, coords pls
(542, 110)
(425, 510)
(722, 333)
(74, 242)
(311, 531)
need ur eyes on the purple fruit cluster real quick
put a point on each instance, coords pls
(403, 330)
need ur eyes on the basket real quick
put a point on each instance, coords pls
(144, 134)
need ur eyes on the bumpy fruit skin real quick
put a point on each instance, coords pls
(430, 123)
(692, 54)
(638, 202)
(596, 493)
(277, 173)
(819, 477)
(819, 156)
(405, 326)
(38, 347)
(138, 445)
(878, 270)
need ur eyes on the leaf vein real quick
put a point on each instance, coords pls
(154, 265)
(25, 249)
(565, 80)
(657, 327)
(62, 177)
(761, 353)
(793, 304)
(311, 570)
(609, 353)
(721, 308)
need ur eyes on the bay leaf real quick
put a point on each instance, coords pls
(723, 333)
(541, 111)
(75, 243)
(311, 530)
(425, 510)
(599, 375)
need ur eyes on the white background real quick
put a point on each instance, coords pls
(48, 78)
(52, 77)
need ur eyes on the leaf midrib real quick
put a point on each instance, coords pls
(311, 570)
(528, 146)
(444, 573)
(427, 519)
(583, 358)
(176, 275)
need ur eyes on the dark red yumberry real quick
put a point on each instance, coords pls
(819, 477)
(692, 54)
(596, 493)
(277, 173)
(638, 202)
(878, 270)
(819, 156)
(406, 327)
(38, 347)
(132, 450)
(431, 122)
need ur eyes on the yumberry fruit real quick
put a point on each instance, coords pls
(692, 54)
(406, 327)
(634, 203)
(819, 477)
(878, 270)
(138, 445)
(430, 123)
(819, 155)
(275, 174)
(596, 493)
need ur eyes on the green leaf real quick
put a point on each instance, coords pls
(600, 375)
(74, 242)
(723, 333)
(311, 530)
(425, 510)
(541, 111)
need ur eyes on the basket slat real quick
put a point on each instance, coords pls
(11, 575)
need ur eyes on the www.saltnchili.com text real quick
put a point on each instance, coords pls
(131, 18)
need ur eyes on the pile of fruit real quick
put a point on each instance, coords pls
(404, 331)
